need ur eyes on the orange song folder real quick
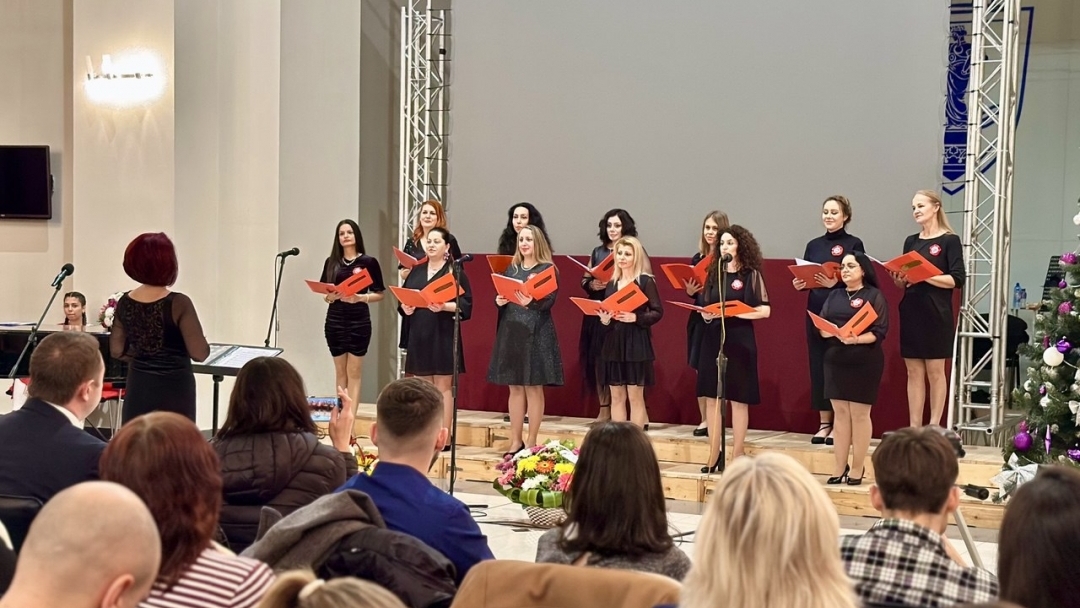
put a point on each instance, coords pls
(406, 260)
(349, 287)
(602, 271)
(854, 327)
(499, 263)
(805, 271)
(913, 266)
(731, 308)
(439, 291)
(681, 274)
(540, 285)
(625, 300)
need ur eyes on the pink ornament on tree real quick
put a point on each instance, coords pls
(1064, 308)
(1023, 426)
(1068, 257)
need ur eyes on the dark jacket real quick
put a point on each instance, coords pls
(284, 471)
(343, 534)
(42, 453)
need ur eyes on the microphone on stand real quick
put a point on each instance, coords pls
(978, 492)
(293, 251)
(279, 270)
(725, 258)
(66, 271)
(465, 258)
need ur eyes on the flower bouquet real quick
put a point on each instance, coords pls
(108, 311)
(537, 478)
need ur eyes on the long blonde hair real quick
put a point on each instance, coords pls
(722, 222)
(942, 219)
(641, 259)
(301, 589)
(541, 249)
(768, 539)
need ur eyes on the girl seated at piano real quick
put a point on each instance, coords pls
(74, 310)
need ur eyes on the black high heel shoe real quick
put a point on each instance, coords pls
(856, 481)
(832, 481)
(715, 468)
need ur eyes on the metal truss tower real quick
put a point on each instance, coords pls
(992, 113)
(424, 116)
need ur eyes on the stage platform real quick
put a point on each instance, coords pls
(483, 437)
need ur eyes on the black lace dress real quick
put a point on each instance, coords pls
(526, 351)
(158, 339)
(740, 346)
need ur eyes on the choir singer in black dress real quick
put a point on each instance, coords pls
(714, 224)
(431, 216)
(348, 321)
(927, 327)
(831, 247)
(526, 354)
(157, 331)
(854, 364)
(518, 217)
(626, 356)
(615, 224)
(742, 282)
(430, 351)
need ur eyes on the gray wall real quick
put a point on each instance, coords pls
(669, 109)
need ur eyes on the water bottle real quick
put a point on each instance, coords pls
(1023, 298)
(1016, 296)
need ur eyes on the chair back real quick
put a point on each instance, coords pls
(515, 584)
(17, 513)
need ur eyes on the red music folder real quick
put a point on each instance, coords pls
(730, 308)
(439, 291)
(681, 274)
(913, 266)
(349, 287)
(625, 300)
(538, 286)
(499, 263)
(856, 326)
(806, 270)
(406, 260)
(602, 271)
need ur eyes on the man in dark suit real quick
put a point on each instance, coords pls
(43, 448)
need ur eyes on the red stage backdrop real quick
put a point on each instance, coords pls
(783, 368)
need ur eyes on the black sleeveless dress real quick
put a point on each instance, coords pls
(741, 381)
(348, 326)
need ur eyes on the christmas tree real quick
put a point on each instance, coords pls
(1050, 397)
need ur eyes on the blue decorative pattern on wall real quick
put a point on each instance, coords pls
(954, 150)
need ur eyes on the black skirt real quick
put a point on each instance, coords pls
(926, 323)
(347, 329)
(741, 380)
(853, 372)
(171, 391)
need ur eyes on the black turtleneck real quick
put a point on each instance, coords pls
(830, 247)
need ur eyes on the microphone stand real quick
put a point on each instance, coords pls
(455, 269)
(278, 272)
(34, 331)
(721, 375)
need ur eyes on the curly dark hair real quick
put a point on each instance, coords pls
(629, 228)
(747, 256)
(508, 238)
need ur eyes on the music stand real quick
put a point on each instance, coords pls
(226, 360)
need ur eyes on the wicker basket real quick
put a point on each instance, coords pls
(545, 518)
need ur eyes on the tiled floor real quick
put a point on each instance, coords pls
(511, 536)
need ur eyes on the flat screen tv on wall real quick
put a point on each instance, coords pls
(25, 182)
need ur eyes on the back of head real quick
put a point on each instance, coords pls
(301, 589)
(268, 397)
(915, 470)
(61, 364)
(88, 539)
(611, 511)
(165, 460)
(768, 539)
(408, 414)
(1038, 540)
(151, 259)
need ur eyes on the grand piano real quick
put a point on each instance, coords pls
(13, 340)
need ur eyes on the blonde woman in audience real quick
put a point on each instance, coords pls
(768, 539)
(301, 589)
(165, 460)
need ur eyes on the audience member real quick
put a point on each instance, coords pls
(43, 448)
(94, 545)
(1038, 541)
(409, 434)
(905, 557)
(270, 454)
(300, 589)
(616, 520)
(164, 459)
(768, 540)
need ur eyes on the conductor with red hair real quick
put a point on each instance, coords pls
(157, 331)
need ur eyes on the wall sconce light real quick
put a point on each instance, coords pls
(132, 78)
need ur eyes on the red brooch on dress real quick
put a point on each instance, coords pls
(837, 250)
(857, 303)
(736, 284)
(357, 270)
(935, 249)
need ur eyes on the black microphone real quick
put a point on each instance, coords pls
(65, 271)
(725, 258)
(978, 492)
(465, 258)
(293, 251)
